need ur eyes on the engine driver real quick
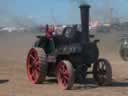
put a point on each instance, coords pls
(49, 35)
(49, 31)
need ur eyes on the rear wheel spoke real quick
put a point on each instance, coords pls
(32, 57)
(60, 71)
(64, 82)
(35, 61)
(62, 68)
(65, 72)
(36, 74)
(30, 66)
(33, 75)
(38, 68)
(66, 77)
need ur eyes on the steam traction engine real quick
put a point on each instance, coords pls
(68, 56)
(124, 47)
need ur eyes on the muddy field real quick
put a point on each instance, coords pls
(13, 78)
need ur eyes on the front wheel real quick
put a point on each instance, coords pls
(65, 74)
(102, 72)
(124, 53)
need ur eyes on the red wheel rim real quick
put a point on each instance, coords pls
(63, 75)
(33, 66)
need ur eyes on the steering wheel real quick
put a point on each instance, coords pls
(68, 32)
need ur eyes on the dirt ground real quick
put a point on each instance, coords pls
(14, 81)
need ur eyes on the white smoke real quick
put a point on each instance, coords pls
(80, 2)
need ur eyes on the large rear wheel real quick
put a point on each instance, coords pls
(65, 74)
(36, 65)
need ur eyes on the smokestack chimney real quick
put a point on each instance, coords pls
(84, 9)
